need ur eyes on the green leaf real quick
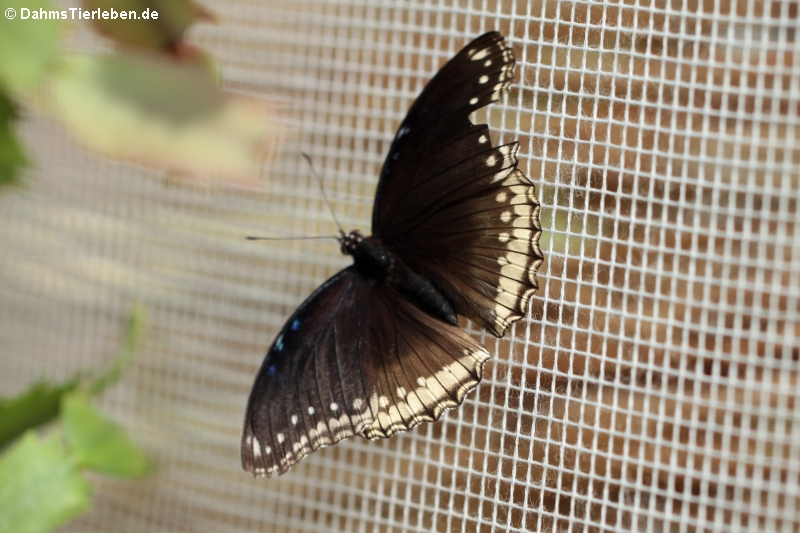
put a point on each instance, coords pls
(12, 157)
(137, 324)
(38, 405)
(98, 443)
(162, 30)
(164, 113)
(27, 46)
(40, 487)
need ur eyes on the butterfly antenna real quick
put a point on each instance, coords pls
(250, 238)
(324, 194)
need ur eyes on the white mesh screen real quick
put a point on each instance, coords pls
(654, 385)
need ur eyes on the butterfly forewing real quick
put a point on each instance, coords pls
(482, 252)
(474, 78)
(466, 219)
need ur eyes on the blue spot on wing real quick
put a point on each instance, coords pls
(295, 325)
(271, 370)
(279, 343)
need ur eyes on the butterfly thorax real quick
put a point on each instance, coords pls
(372, 259)
(375, 261)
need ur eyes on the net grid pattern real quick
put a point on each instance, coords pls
(653, 386)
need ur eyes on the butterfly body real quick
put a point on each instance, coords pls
(373, 260)
(377, 348)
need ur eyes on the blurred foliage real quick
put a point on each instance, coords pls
(159, 112)
(41, 486)
(155, 101)
(41, 403)
(12, 157)
(133, 334)
(26, 53)
(27, 49)
(35, 407)
(174, 17)
(98, 443)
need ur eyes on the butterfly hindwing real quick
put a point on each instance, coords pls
(312, 390)
(425, 365)
(356, 358)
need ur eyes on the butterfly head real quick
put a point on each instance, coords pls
(350, 241)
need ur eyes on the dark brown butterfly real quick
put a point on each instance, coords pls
(455, 230)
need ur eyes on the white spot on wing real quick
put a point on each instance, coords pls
(334, 406)
(501, 197)
(482, 139)
(256, 448)
(477, 56)
(310, 410)
(505, 216)
(473, 101)
(483, 79)
(279, 436)
(487, 63)
(514, 285)
(294, 420)
(491, 161)
(268, 450)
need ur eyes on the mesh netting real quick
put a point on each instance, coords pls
(654, 384)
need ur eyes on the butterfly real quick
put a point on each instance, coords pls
(455, 231)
